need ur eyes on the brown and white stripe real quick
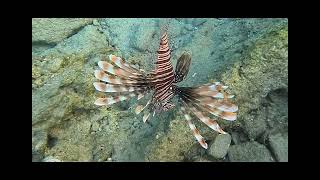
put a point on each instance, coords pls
(123, 65)
(212, 103)
(164, 71)
(101, 75)
(205, 119)
(111, 100)
(195, 131)
(108, 67)
(219, 108)
(103, 87)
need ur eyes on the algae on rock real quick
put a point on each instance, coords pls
(263, 69)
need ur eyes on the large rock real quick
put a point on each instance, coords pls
(249, 152)
(174, 145)
(220, 146)
(262, 70)
(62, 77)
(39, 144)
(279, 146)
(54, 30)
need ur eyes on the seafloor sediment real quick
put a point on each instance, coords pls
(248, 55)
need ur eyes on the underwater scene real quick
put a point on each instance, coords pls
(159, 90)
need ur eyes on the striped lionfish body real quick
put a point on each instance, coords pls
(117, 76)
(164, 77)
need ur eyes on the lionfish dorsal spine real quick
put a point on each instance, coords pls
(164, 71)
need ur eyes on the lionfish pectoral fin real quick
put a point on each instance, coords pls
(105, 101)
(140, 108)
(108, 67)
(113, 79)
(195, 131)
(140, 96)
(192, 106)
(182, 67)
(146, 116)
(123, 65)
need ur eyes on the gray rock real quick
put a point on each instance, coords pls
(39, 141)
(255, 124)
(278, 109)
(264, 69)
(195, 153)
(88, 40)
(54, 30)
(199, 21)
(37, 157)
(238, 137)
(219, 147)
(249, 152)
(279, 146)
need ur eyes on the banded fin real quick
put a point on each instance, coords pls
(116, 88)
(231, 116)
(140, 108)
(216, 86)
(111, 100)
(220, 104)
(205, 119)
(213, 91)
(108, 67)
(123, 65)
(224, 106)
(140, 96)
(101, 75)
(195, 131)
(146, 116)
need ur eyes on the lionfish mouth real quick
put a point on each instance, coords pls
(117, 76)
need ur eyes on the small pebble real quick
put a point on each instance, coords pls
(95, 22)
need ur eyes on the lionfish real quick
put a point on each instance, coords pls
(117, 76)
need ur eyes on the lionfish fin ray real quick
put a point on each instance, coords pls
(111, 100)
(100, 86)
(195, 131)
(204, 118)
(124, 65)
